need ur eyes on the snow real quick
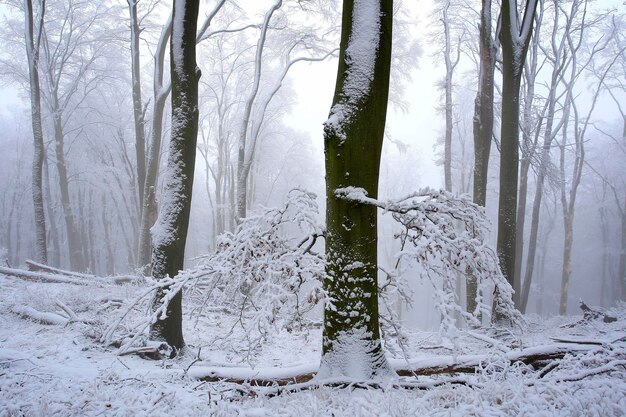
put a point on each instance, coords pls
(360, 59)
(177, 36)
(61, 370)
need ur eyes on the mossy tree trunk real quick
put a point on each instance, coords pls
(353, 138)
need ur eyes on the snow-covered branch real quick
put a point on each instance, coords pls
(446, 236)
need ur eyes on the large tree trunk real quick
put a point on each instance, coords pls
(32, 54)
(353, 138)
(509, 157)
(483, 105)
(171, 230)
(483, 123)
(515, 39)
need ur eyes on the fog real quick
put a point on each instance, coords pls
(89, 131)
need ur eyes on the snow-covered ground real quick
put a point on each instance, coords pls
(62, 370)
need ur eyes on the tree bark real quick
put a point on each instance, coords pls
(140, 136)
(447, 161)
(621, 275)
(32, 54)
(244, 160)
(149, 209)
(73, 242)
(169, 240)
(514, 39)
(483, 123)
(353, 138)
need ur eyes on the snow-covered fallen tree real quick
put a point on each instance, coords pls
(265, 277)
(260, 278)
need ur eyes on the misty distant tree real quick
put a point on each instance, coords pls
(573, 140)
(451, 59)
(514, 38)
(138, 109)
(160, 90)
(32, 35)
(569, 27)
(530, 126)
(170, 232)
(353, 137)
(615, 84)
(256, 105)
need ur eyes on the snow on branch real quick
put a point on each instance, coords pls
(445, 235)
(263, 280)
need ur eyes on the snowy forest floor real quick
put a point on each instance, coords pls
(61, 369)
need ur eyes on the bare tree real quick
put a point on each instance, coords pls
(579, 126)
(483, 105)
(32, 37)
(353, 137)
(161, 90)
(560, 55)
(171, 229)
(483, 118)
(515, 38)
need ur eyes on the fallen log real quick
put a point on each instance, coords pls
(117, 279)
(438, 365)
(46, 277)
(39, 316)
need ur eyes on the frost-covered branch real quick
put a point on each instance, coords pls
(446, 236)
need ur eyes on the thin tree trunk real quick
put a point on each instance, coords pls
(244, 161)
(528, 151)
(106, 227)
(73, 244)
(140, 137)
(621, 271)
(447, 161)
(55, 253)
(32, 53)
(149, 209)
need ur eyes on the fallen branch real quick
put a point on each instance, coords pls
(39, 316)
(117, 279)
(468, 363)
(70, 313)
(609, 367)
(46, 277)
(261, 377)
